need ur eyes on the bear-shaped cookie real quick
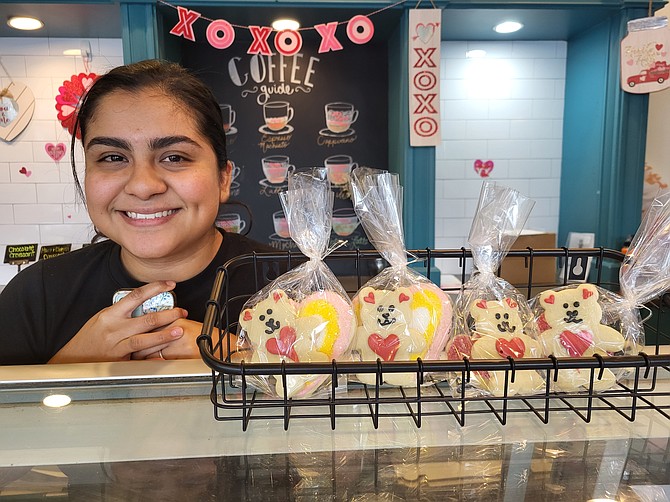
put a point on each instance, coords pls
(317, 329)
(401, 324)
(498, 333)
(571, 327)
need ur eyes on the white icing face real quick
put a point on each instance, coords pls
(496, 318)
(572, 306)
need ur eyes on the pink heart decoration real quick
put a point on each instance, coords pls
(385, 348)
(283, 346)
(630, 62)
(483, 168)
(26, 172)
(56, 152)
(576, 343)
(514, 347)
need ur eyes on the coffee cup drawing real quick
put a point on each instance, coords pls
(228, 116)
(340, 116)
(231, 222)
(280, 224)
(338, 168)
(277, 115)
(234, 171)
(345, 221)
(276, 168)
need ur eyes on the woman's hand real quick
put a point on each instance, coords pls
(113, 335)
(185, 347)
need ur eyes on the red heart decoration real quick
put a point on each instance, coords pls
(369, 298)
(481, 304)
(514, 347)
(483, 168)
(26, 172)
(283, 346)
(586, 293)
(659, 47)
(550, 299)
(247, 315)
(576, 343)
(460, 347)
(403, 298)
(542, 323)
(385, 348)
(276, 297)
(512, 304)
(56, 152)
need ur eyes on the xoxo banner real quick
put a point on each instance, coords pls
(424, 77)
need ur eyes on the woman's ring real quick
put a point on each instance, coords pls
(160, 353)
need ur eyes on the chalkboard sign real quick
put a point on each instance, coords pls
(20, 254)
(47, 252)
(283, 113)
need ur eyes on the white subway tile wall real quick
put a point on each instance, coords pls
(506, 107)
(37, 196)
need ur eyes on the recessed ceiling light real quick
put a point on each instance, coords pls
(285, 24)
(508, 27)
(72, 52)
(24, 23)
(475, 53)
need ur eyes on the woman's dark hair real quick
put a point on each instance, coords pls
(171, 78)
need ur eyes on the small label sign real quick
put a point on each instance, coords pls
(47, 252)
(20, 254)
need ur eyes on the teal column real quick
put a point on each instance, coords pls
(416, 166)
(139, 30)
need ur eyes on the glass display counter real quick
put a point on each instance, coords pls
(146, 431)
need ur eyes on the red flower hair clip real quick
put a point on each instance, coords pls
(69, 98)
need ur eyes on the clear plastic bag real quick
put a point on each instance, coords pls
(493, 319)
(401, 315)
(305, 314)
(581, 320)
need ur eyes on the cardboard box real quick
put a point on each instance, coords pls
(514, 269)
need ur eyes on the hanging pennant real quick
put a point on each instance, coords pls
(424, 77)
(644, 56)
(17, 104)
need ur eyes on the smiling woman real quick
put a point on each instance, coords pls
(156, 172)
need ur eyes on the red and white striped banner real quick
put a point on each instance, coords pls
(424, 77)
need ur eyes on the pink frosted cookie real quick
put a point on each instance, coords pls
(402, 324)
(317, 329)
(571, 327)
(498, 333)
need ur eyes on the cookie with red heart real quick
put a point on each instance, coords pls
(498, 332)
(401, 324)
(319, 328)
(571, 323)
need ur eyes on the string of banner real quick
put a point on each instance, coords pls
(424, 53)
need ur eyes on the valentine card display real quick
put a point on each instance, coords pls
(401, 315)
(493, 320)
(305, 314)
(584, 320)
(69, 97)
(17, 104)
(644, 56)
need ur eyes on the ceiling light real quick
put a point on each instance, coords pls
(508, 27)
(285, 24)
(475, 53)
(72, 52)
(24, 23)
(56, 400)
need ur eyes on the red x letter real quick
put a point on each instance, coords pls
(425, 103)
(425, 57)
(328, 40)
(260, 43)
(183, 27)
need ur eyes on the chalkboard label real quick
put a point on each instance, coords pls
(20, 254)
(47, 252)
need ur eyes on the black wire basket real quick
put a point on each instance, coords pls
(234, 398)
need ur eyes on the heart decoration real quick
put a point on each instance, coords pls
(403, 298)
(247, 316)
(510, 348)
(630, 62)
(369, 298)
(483, 168)
(56, 152)
(659, 47)
(425, 32)
(576, 343)
(284, 345)
(69, 98)
(17, 104)
(385, 348)
(550, 299)
(459, 347)
(25, 172)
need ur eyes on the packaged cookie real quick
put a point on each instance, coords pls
(493, 319)
(582, 320)
(304, 315)
(401, 315)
